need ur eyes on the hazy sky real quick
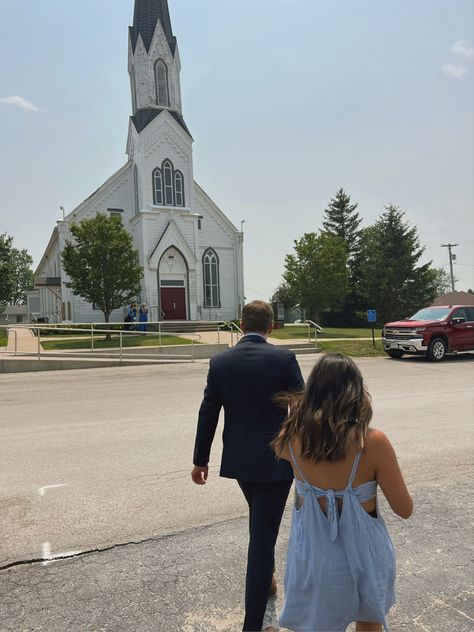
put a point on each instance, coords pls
(287, 100)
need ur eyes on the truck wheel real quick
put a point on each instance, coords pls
(437, 350)
(393, 353)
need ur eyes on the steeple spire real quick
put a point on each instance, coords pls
(145, 18)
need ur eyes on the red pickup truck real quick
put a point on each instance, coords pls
(433, 332)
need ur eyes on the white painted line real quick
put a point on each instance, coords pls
(46, 553)
(49, 558)
(42, 490)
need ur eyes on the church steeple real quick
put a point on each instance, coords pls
(153, 64)
(145, 18)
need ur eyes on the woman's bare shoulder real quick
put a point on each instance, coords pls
(377, 442)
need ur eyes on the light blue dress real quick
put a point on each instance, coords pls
(341, 566)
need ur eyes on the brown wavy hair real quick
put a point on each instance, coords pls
(331, 414)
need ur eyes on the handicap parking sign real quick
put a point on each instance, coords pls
(371, 316)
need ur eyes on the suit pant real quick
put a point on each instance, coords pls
(266, 505)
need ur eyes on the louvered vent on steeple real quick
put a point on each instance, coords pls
(162, 88)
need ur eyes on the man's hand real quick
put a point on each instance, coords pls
(199, 475)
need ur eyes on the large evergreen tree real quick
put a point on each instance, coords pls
(391, 277)
(102, 263)
(343, 220)
(316, 274)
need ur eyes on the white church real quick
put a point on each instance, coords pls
(191, 253)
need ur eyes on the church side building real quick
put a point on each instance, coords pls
(191, 253)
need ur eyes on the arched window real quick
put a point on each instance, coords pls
(179, 188)
(161, 78)
(168, 185)
(167, 170)
(211, 279)
(135, 185)
(157, 187)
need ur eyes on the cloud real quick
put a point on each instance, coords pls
(454, 70)
(463, 48)
(19, 102)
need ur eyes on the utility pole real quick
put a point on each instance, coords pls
(451, 259)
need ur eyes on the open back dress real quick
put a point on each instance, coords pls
(341, 564)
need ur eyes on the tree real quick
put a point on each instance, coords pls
(16, 275)
(391, 279)
(6, 268)
(282, 294)
(23, 277)
(102, 264)
(342, 220)
(443, 282)
(317, 273)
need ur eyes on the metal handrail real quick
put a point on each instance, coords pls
(317, 329)
(232, 326)
(36, 329)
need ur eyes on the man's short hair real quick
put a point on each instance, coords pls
(257, 317)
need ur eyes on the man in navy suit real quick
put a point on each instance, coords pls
(244, 380)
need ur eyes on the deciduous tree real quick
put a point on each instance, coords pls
(102, 264)
(316, 273)
(6, 268)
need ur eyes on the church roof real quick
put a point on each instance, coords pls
(142, 118)
(145, 18)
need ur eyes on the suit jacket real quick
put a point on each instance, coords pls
(244, 380)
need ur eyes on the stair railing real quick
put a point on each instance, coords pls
(317, 329)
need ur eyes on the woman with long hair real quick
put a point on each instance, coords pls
(341, 561)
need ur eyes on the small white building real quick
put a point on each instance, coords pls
(191, 253)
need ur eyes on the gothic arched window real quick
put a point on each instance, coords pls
(135, 186)
(161, 78)
(210, 263)
(167, 171)
(168, 185)
(179, 188)
(157, 187)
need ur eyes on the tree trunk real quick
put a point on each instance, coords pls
(108, 336)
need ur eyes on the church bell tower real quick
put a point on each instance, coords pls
(153, 63)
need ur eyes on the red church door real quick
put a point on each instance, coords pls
(173, 303)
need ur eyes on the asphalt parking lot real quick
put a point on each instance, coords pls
(95, 469)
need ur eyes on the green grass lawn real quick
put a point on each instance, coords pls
(298, 332)
(101, 343)
(354, 348)
(3, 337)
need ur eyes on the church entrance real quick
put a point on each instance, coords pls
(173, 285)
(173, 303)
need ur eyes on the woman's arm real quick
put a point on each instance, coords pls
(389, 475)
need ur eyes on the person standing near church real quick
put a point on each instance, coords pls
(244, 381)
(143, 318)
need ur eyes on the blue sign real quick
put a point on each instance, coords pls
(371, 316)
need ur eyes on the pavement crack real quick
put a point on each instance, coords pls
(111, 547)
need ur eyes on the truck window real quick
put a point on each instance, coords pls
(460, 313)
(470, 314)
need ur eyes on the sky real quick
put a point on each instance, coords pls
(287, 100)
